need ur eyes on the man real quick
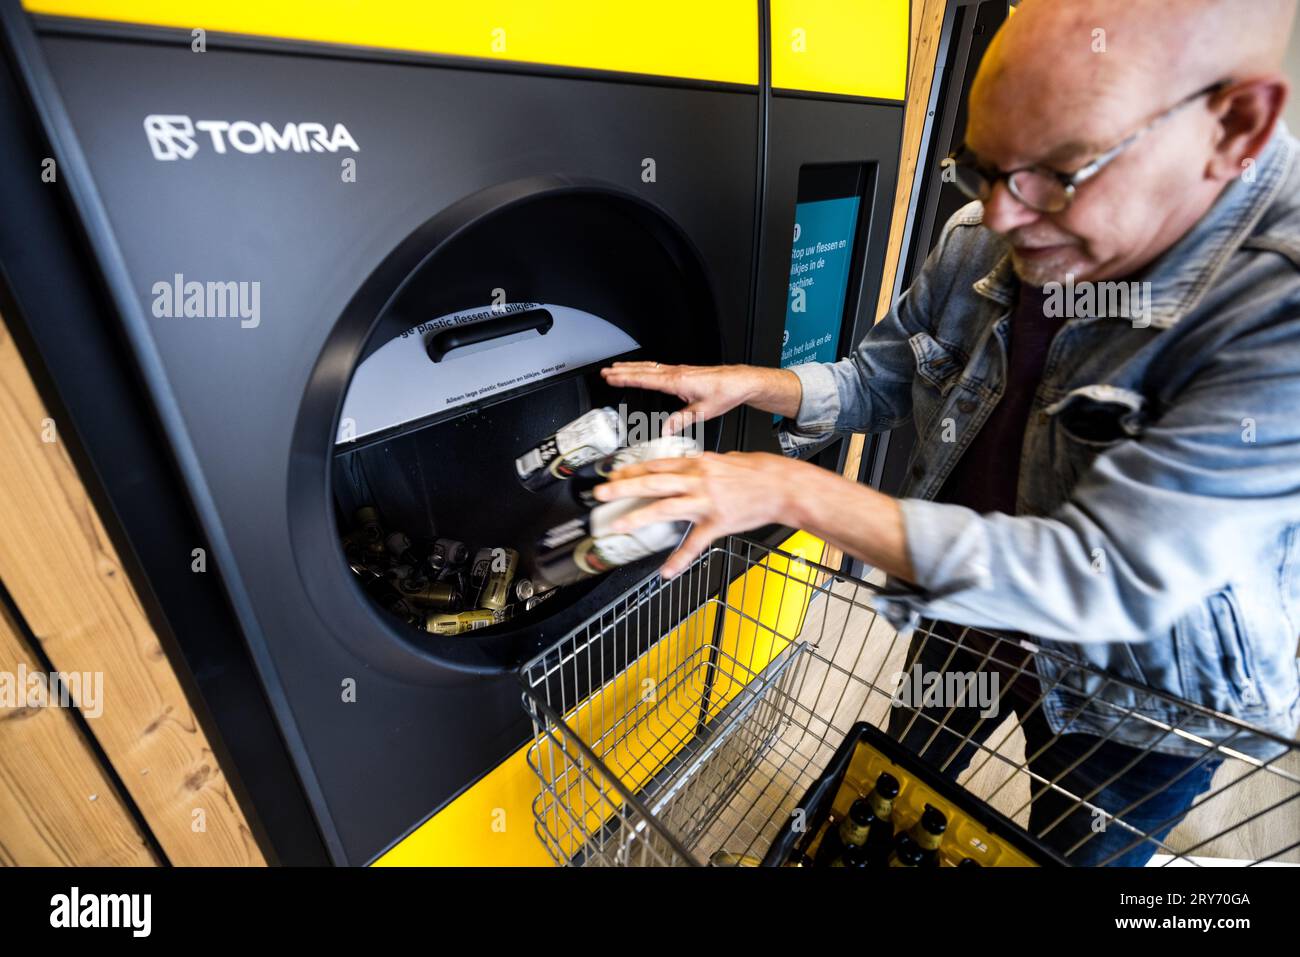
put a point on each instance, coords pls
(1123, 487)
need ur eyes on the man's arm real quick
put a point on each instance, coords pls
(738, 491)
(870, 390)
(710, 391)
(856, 519)
(1157, 522)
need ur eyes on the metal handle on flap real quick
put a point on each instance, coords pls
(443, 342)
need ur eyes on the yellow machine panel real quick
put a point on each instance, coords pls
(702, 41)
(851, 47)
(492, 822)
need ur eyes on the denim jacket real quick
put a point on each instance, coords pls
(1157, 534)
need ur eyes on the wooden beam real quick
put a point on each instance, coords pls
(927, 25)
(67, 581)
(58, 806)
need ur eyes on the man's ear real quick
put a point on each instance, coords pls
(1247, 113)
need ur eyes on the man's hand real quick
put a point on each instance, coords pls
(710, 391)
(721, 494)
(739, 491)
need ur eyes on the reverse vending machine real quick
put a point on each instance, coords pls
(301, 260)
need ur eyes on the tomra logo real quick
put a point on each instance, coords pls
(173, 136)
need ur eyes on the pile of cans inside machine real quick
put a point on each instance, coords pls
(442, 588)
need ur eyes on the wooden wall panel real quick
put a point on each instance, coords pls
(69, 585)
(57, 804)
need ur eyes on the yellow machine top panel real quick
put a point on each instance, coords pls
(715, 41)
(850, 47)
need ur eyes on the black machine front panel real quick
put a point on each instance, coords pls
(428, 186)
(831, 173)
(251, 402)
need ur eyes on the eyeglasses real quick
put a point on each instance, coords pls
(1041, 188)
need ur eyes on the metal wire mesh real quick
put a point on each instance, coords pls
(683, 723)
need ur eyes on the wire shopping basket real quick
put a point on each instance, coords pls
(684, 723)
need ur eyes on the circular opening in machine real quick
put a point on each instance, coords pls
(485, 335)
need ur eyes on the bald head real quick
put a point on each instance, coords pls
(1108, 64)
(1065, 80)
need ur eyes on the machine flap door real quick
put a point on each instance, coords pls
(467, 357)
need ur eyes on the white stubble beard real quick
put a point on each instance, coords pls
(1041, 272)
